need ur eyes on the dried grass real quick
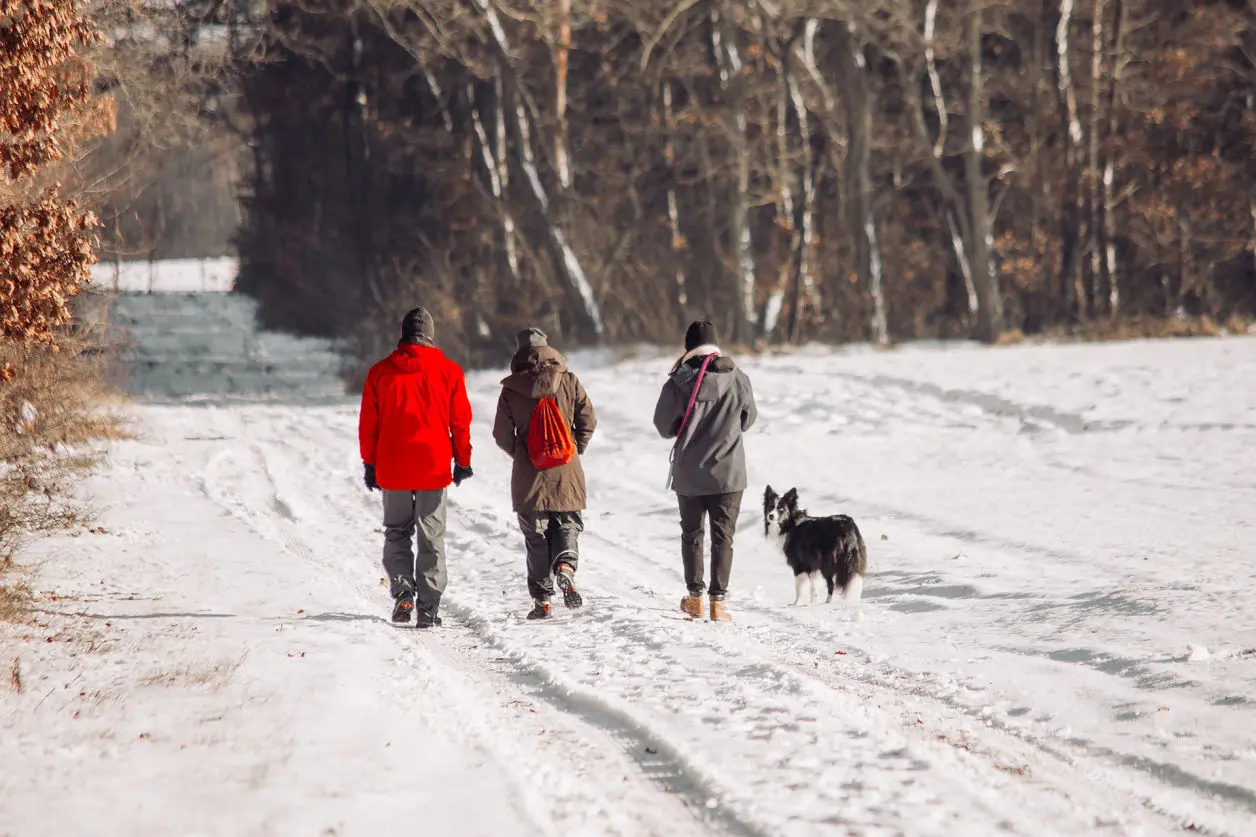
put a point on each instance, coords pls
(212, 676)
(1134, 328)
(14, 596)
(54, 414)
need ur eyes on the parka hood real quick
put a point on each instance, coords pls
(716, 383)
(536, 372)
(411, 357)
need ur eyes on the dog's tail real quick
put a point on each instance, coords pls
(856, 566)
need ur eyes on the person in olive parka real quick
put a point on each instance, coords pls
(548, 502)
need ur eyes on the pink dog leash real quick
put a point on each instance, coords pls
(684, 421)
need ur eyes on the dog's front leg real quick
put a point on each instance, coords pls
(799, 580)
(814, 576)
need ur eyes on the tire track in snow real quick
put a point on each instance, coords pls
(432, 657)
(789, 637)
(516, 570)
(1092, 761)
(822, 763)
(744, 684)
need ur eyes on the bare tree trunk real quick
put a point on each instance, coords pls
(858, 177)
(1041, 193)
(805, 282)
(1070, 301)
(358, 146)
(806, 293)
(1098, 276)
(935, 80)
(496, 168)
(1186, 244)
(938, 148)
(1116, 63)
(562, 48)
(784, 206)
(732, 79)
(503, 173)
(673, 206)
(575, 281)
(1251, 211)
(980, 247)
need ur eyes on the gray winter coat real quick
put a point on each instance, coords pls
(710, 457)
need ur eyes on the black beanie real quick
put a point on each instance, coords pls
(530, 338)
(700, 333)
(417, 327)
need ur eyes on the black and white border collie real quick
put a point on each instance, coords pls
(813, 546)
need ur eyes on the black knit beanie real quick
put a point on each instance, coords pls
(530, 338)
(700, 333)
(417, 327)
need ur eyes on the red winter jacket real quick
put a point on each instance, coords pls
(415, 418)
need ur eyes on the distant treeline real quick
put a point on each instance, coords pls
(821, 169)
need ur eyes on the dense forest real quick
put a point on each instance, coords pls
(607, 169)
(795, 169)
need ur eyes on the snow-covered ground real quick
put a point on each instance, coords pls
(1058, 635)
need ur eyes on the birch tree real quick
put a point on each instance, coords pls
(733, 82)
(980, 225)
(1070, 299)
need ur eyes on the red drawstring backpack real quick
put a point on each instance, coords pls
(549, 438)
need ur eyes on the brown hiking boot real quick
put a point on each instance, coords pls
(718, 612)
(565, 577)
(692, 606)
(540, 609)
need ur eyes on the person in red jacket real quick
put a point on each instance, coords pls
(415, 418)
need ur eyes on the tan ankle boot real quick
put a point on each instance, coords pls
(718, 612)
(692, 606)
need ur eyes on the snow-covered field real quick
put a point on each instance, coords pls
(1058, 634)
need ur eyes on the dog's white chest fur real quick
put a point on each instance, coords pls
(776, 536)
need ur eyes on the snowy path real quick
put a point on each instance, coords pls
(1062, 525)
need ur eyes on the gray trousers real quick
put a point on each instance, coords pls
(404, 512)
(551, 538)
(723, 510)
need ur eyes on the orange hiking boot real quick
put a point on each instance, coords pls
(718, 611)
(692, 606)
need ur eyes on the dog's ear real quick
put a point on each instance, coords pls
(769, 497)
(791, 498)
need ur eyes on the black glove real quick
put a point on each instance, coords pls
(461, 473)
(368, 477)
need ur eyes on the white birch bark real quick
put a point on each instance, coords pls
(573, 271)
(561, 162)
(935, 80)
(673, 205)
(730, 68)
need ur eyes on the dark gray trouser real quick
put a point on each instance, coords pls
(403, 512)
(723, 510)
(550, 537)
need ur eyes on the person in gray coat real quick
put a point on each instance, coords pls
(706, 405)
